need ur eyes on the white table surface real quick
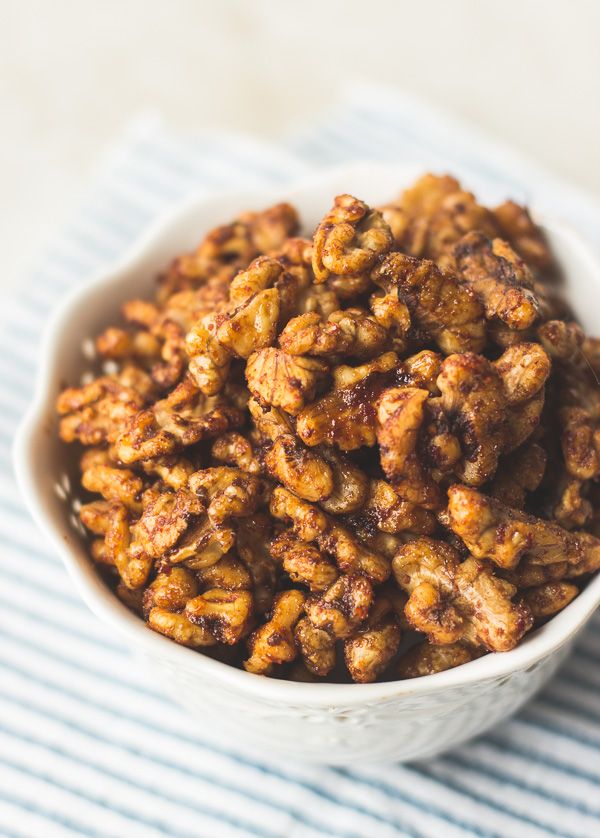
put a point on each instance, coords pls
(73, 73)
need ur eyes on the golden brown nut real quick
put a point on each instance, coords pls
(524, 369)
(202, 544)
(517, 226)
(229, 573)
(342, 607)
(173, 471)
(227, 492)
(226, 614)
(133, 566)
(438, 302)
(303, 562)
(501, 280)
(427, 659)
(179, 628)
(171, 590)
(352, 332)
(317, 647)
(580, 442)
(400, 415)
(550, 598)
(164, 519)
(494, 531)
(456, 600)
(281, 380)
(385, 510)
(261, 274)
(96, 516)
(350, 484)
(474, 401)
(233, 449)
(394, 316)
(253, 537)
(349, 239)
(209, 360)
(251, 326)
(562, 341)
(519, 474)
(301, 470)
(118, 484)
(97, 412)
(368, 651)
(573, 509)
(273, 643)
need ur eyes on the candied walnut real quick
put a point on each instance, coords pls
(350, 484)
(114, 484)
(427, 659)
(349, 239)
(524, 369)
(273, 643)
(385, 510)
(516, 225)
(422, 370)
(352, 332)
(99, 554)
(342, 608)
(229, 573)
(270, 422)
(368, 651)
(494, 531)
(253, 537)
(394, 316)
(440, 448)
(317, 647)
(179, 629)
(173, 471)
(133, 567)
(310, 524)
(131, 599)
(281, 380)
(226, 614)
(260, 275)
(573, 508)
(119, 345)
(400, 415)
(437, 301)
(183, 418)
(474, 401)
(550, 598)
(251, 326)
(164, 519)
(580, 442)
(202, 544)
(97, 412)
(519, 474)
(458, 600)
(227, 492)
(346, 416)
(96, 516)
(209, 360)
(301, 470)
(171, 590)
(303, 562)
(562, 341)
(502, 280)
(233, 449)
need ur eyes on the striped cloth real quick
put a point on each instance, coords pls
(88, 743)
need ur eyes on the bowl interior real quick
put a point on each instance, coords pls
(46, 467)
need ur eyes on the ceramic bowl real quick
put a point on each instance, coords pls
(326, 723)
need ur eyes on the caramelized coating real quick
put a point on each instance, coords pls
(427, 659)
(342, 608)
(349, 239)
(273, 643)
(281, 423)
(368, 652)
(550, 598)
(281, 380)
(446, 309)
(473, 399)
(450, 600)
(499, 278)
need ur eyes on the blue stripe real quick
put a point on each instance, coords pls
(35, 808)
(557, 730)
(496, 741)
(188, 770)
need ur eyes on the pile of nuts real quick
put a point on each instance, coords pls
(371, 453)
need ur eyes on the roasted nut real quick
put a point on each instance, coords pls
(229, 573)
(427, 659)
(251, 326)
(281, 380)
(226, 614)
(550, 598)
(350, 484)
(385, 510)
(133, 566)
(317, 647)
(519, 474)
(525, 236)
(114, 484)
(227, 492)
(500, 278)
(352, 332)
(303, 562)
(253, 537)
(171, 590)
(452, 600)
(368, 652)
(349, 239)
(342, 607)
(179, 628)
(301, 470)
(233, 449)
(438, 302)
(209, 359)
(474, 401)
(273, 643)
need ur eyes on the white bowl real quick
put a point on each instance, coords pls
(327, 723)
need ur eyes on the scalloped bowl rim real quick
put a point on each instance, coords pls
(98, 597)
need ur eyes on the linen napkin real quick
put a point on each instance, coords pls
(88, 743)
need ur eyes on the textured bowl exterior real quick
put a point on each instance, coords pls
(393, 728)
(326, 723)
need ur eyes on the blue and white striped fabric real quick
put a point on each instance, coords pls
(88, 744)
